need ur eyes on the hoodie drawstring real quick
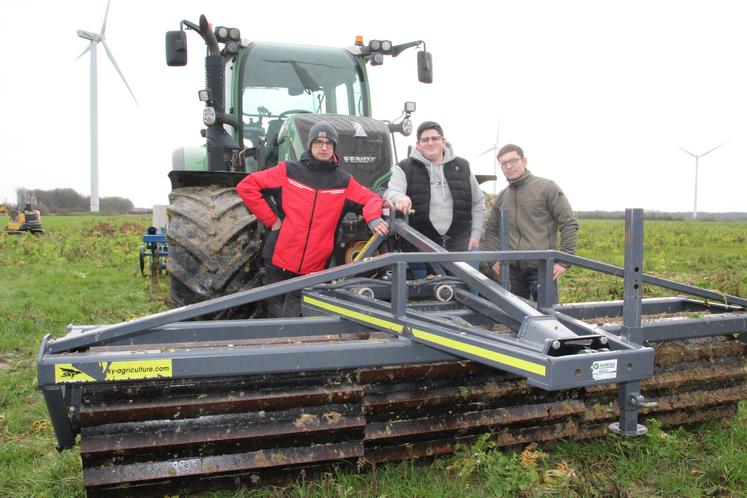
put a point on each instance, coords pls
(440, 168)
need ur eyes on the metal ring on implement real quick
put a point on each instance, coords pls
(444, 293)
(366, 292)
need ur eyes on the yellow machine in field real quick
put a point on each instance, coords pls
(28, 220)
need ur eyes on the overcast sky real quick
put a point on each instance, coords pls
(600, 94)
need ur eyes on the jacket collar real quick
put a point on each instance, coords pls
(315, 164)
(518, 181)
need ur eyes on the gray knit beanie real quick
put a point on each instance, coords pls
(322, 129)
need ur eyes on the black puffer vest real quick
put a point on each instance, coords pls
(457, 175)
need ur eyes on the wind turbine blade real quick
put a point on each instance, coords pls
(491, 149)
(88, 48)
(687, 151)
(111, 58)
(719, 145)
(103, 26)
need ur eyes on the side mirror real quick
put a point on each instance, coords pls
(425, 67)
(176, 48)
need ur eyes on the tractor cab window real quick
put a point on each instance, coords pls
(282, 79)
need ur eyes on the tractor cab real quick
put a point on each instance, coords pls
(265, 86)
(283, 89)
(278, 81)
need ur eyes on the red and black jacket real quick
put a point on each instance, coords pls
(311, 198)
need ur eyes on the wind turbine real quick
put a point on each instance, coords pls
(697, 157)
(494, 149)
(95, 39)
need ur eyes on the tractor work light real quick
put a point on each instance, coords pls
(224, 34)
(208, 116)
(374, 45)
(377, 59)
(386, 46)
(407, 127)
(232, 47)
(204, 95)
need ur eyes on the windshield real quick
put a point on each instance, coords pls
(280, 79)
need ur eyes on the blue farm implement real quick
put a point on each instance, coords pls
(153, 254)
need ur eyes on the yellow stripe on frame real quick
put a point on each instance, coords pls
(482, 352)
(354, 314)
(364, 248)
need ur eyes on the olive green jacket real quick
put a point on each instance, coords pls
(538, 209)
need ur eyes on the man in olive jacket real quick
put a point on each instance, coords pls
(538, 211)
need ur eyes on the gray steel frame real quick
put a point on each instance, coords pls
(542, 348)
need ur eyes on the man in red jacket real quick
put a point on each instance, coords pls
(309, 199)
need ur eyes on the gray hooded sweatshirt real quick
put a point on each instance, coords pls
(442, 203)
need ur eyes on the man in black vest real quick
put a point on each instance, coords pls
(439, 186)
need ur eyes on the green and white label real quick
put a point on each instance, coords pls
(606, 369)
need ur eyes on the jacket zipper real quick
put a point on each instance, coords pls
(516, 218)
(308, 233)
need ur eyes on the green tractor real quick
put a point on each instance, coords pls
(261, 99)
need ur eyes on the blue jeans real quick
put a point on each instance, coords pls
(524, 283)
(418, 270)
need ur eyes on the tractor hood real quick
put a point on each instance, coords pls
(364, 150)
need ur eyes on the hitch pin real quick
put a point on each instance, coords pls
(639, 401)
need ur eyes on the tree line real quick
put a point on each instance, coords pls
(67, 200)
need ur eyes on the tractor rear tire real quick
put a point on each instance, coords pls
(213, 247)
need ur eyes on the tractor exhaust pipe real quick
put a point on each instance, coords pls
(219, 144)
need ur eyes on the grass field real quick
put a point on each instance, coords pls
(85, 271)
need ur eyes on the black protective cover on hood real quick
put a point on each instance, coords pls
(366, 156)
